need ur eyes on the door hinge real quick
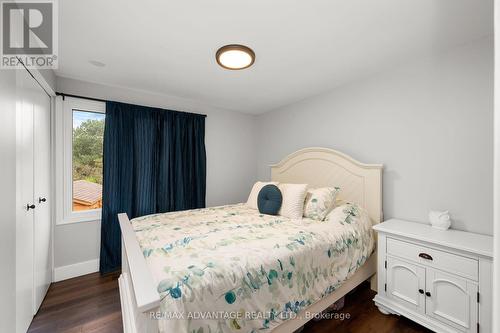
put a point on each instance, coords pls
(385, 264)
(385, 286)
(478, 296)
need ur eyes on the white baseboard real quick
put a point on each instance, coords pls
(78, 269)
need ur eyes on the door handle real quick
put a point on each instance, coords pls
(421, 291)
(40, 200)
(428, 294)
(425, 256)
(28, 206)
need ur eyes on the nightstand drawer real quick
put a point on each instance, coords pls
(445, 261)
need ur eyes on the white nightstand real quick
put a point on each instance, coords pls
(439, 279)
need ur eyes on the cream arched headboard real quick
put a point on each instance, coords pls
(319, 167)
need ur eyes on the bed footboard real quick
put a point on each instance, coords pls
(138, 295)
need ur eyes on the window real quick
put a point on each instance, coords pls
(79, 158)
(88, 134)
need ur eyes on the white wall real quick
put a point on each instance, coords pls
(230, 144)
(429, 122)
(496, 196)
(49, 76)
(7, 200)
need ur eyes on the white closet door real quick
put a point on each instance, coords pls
(42, 224)
(24, 214)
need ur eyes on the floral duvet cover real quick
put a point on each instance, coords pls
(231, 269)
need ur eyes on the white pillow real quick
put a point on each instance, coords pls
(252, 198)
(319, 202)
(293, 200)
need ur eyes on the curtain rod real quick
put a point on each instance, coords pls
(78, 96)
(103, 100)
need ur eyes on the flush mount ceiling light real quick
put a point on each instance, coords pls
(235, 56)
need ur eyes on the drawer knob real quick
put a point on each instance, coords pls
(428, 294)
(421, 291)
(425, 256)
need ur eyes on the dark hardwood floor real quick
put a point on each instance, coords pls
(91, 303)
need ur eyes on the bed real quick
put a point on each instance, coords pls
(230, 268)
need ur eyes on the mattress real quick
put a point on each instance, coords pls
(231, 269)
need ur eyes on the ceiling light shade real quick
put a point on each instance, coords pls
(235, 56)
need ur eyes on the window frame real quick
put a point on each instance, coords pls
(70, 104)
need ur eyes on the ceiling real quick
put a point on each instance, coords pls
(302, 48)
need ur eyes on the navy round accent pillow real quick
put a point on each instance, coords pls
(269, 200)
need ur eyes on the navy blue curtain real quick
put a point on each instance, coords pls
(154, 162)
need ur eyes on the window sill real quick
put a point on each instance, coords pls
(81, 217)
